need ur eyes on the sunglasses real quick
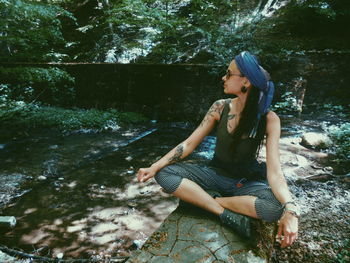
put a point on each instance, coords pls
(229, 74)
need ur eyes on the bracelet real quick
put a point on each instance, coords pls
(289, 202)
(292, 212)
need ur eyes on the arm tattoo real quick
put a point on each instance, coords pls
(215, 108)
(178, 153)
(231, 116)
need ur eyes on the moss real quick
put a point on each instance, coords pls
(266, 233)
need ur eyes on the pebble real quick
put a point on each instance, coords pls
(131, 204)
(42, 178)
(292, 164)
(53, 146)
(316, 166)
(138, 244)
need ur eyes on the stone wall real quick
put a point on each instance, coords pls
(165, 92)
(185, 92)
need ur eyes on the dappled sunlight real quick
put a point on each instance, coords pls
(77, 226)
(102, 213)
(30, 210)
(34, 236)
(163, 207)
(100, 205)
(72, 184)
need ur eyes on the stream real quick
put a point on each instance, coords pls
(77, 195)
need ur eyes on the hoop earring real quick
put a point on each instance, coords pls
(244, 89)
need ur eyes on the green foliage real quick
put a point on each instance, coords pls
(31, 31)
(29, 115)
(153, 31)
(343, 255)
(306, 25)
(341, 136)
(195, 32)
(288, 104)
(50, 85)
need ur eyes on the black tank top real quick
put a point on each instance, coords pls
(239, 159)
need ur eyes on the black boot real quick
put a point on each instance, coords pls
(243, 225)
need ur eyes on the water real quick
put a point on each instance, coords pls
(90, 200)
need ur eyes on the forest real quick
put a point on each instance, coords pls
(115, 76)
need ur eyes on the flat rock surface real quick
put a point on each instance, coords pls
(193, 235)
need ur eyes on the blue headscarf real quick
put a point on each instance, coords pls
(259, 78)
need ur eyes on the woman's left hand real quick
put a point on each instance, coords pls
(287, 229)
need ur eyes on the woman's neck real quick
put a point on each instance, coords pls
(240, 102)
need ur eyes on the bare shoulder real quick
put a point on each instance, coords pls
(219, 103)
(216, 108)
(272, 117)
(213, 114)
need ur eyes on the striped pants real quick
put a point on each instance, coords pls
(267, 207)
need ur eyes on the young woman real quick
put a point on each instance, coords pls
(235, 185)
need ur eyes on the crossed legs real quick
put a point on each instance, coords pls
(192, 193)
(189, 182)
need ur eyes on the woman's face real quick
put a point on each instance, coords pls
(233, 80)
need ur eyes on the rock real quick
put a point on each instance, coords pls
(59, 255)
(7, 221)
(131, 204)
(194, 235)
(316, 166)
(9, 259)
(129, 158)
(42, 178)
(138, 244)
(53, 147)
(315, 140)
(320, 177)
(328, 169)
(345, 178)
(130, 171)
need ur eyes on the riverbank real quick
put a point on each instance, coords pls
(28, 116)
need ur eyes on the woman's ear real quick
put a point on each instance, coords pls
(246, 82)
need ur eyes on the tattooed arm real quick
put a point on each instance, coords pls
(188, 146)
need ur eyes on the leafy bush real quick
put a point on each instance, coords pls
(50, 85)
(32, 31)
(22, 115)
(288, 104)
(341, 136)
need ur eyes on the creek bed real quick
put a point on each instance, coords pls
(90, 203)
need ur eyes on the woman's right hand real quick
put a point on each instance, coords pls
(144, 174)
